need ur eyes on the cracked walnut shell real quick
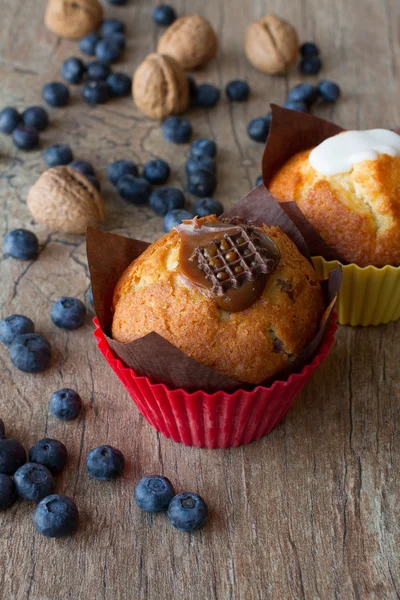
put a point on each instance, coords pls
(271, 45)
(65, 200)
(160, 87)
(73, 18)
(190, 40)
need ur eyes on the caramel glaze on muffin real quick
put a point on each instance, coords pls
(356, 213)
(251, 345)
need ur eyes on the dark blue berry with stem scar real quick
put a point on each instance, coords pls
(156, 171)
(259, 180)
(58, 154)
(203, 147)
(65, 404)
(165, 199)
(303, 92)
(2, 428)
(9, 119)
(110, 26)
(202, 183)
(105, 462)
(25, 138)
(175, 217)
(187, 512)
(119, 168)
(119, 84)
(208, 206)
(87, 44)
(30, 352)
(119, 39)
(83, 166)
(310, 65)
(177, 130)
(94, 181)
(56, 516)
(299, 106)
(135, 190)
(163, 14)
(68, 312)
(108, 50)
(153, 493)
(237, 91)
(50, 453)
(328, 90)
(98, 71)
(95, 92)
(14, 325)
(309, 49)
(197, 164)
(258, 129)
(12, 455)
(21, 244)
(73, 70)
(33, 481)
(8, 493)
(206, 95)
(55, 94)
(35, 116)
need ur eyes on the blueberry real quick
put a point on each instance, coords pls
(83, 166)
(119, 84)
(65, 404)
(88, 43)
(135, 190)
(310, 65)
(119, 168)
(258, 129)
(9, 119)
(259, 180)
(14, 325)
(30, 352)
(206, 95)
(303, 92)
(8, 493)
(328, 90)
(175, 217)
(156, 171)
(309, 49)
(98, 71)
(203, 147)
(192, 88)
(153, 493)
(108, 50)
(163, 14)
(237, 91)
(202, 183)
(165, 199)
(268, 118)
(50, 453)
(299, 106)
(187, 512)
(58, 154)
(2, 428)
(56, 516)
(12, 455)
(95, 92)
(21, 244)
(110, 26)
(105, 462)
(118, 39)
(33, 481)
(55, 94)
(208, 206)
(94, 181)
(25, 138)
(177, 130)
(197, 164)
(35, 116)
(73, 70)
(68, 312)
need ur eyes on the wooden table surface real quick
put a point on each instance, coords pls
(312, 510)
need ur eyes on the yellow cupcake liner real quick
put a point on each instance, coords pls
(368, 295)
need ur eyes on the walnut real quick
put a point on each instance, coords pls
(271, 45)
(190, 40)
(73, 18)
(65, 200)
(160, 87)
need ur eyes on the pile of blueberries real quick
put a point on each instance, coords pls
(24, 127)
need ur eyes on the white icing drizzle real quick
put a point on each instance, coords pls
(339, 153)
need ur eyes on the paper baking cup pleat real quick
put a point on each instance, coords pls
(218, 420)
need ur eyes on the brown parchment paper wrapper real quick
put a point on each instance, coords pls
(152, 355)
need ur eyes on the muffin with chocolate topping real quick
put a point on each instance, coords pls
(237, 298)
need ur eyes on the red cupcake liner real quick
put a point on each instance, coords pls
(218, 420)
